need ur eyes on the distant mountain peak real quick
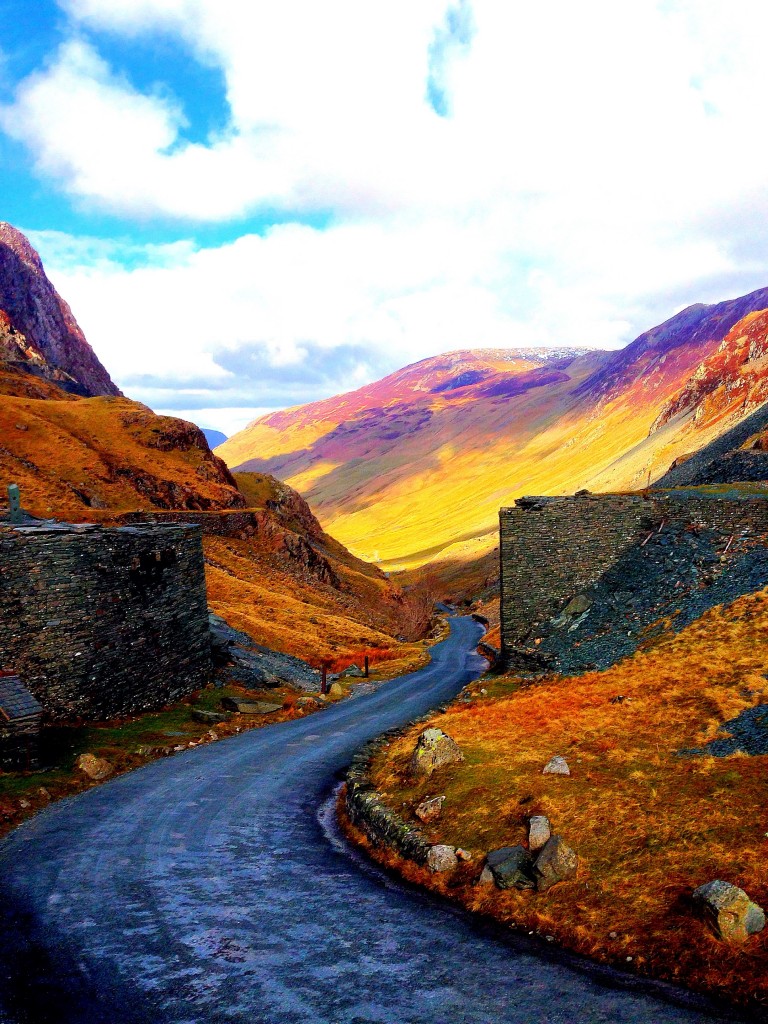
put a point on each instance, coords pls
(41, 335)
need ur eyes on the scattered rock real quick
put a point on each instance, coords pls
(353, 672)
(95, 768)
(557, 765)
(442, 858)
(556, 863)
(249, 707)
(237, 656)
(44, 794)
(429, 810)
(208, 717)
(24, 804)
(539, 832)
(730, 912)
(463, 855)
(577, 606)
(311, 703)
(336, 690)
(511, 867)
(434, 749)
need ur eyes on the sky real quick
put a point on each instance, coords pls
(251, 205)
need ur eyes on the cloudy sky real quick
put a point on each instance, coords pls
(254, 204)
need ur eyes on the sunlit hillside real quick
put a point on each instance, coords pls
(413, 469)
(80, 451)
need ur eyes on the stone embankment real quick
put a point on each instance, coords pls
(368, 812)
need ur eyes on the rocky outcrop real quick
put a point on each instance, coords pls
(734, 378)
(53, 345)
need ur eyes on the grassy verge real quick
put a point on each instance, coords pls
(649, 825)
(132, 742)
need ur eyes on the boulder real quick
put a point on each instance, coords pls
(208, 717)
(442, 858)
(250, 707)
(310, 703)
(96, 768)
(429, 810)
(353, 672)
(539, 832)
(434, 749)
(729, 911)
(556, 765)
(336, 690)
(556, 863)
(577, 606)
(511, 867)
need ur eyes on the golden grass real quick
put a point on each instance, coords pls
(649, 825)
(311, 620)
(69, 455)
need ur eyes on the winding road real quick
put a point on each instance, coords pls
(210, 887)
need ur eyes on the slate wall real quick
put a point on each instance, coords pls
(104, 622)
(552, 549)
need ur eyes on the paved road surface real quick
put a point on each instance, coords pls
(204, 888)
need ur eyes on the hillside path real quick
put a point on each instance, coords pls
(206, 888)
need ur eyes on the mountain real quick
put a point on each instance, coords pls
(81, 451)
(214, 437)
(411, 471)
(38, 327)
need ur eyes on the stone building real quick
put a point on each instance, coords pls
(101, 622)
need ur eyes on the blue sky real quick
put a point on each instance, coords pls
(250, 206)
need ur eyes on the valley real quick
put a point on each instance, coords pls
(410, 472)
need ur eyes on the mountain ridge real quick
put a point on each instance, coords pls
(412, 469)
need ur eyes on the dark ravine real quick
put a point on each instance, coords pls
(203, 888)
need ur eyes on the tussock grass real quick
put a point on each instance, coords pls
(648, 824)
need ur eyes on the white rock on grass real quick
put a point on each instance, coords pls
(442, 858)
(539, 831)
(556, 765)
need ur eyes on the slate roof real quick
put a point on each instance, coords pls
(15, 699)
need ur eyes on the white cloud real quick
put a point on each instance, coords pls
(598, 165)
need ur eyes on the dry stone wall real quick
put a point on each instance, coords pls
(551, 549)
(104, 622)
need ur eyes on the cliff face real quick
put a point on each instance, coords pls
(51, 342)
(732, 380)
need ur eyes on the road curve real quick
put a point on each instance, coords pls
(203, 888)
